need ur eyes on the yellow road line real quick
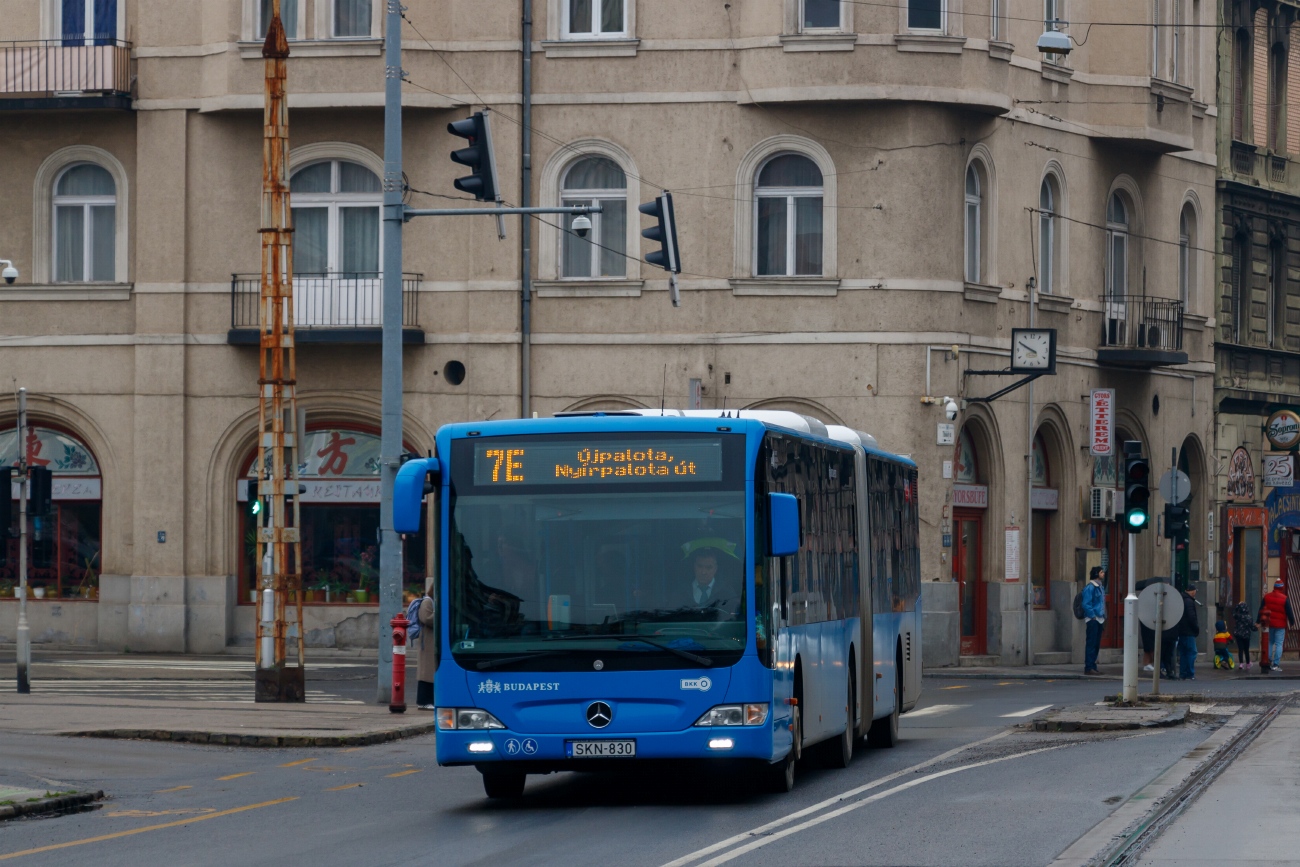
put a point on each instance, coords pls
(351, 749)
(348, 786)
(117, 834)
(297, 763)
(235, 776)
(963, 686)
(174, 789)
(404, 773)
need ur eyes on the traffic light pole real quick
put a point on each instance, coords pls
(24, 648)
(1131, 625)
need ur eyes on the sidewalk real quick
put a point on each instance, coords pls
(1205, 671)
(204, 700)
(1247, 815)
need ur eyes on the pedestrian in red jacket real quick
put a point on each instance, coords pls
(1275, 614)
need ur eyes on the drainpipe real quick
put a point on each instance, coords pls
(525, 226)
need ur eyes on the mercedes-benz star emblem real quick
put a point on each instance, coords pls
(599, 714)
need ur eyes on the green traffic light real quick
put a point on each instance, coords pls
(256, 507)
(1137, 519)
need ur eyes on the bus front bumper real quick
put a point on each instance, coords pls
(557, 751)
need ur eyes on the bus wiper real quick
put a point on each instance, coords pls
(684, 654)
(511, 660)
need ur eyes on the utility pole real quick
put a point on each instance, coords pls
(24, 654)
(279, 548)
(390, 445)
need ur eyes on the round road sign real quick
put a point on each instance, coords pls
(1171, 612)
(1175, 486)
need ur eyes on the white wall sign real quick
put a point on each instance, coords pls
(68, 488)
(1101, 422)
(1013, 553)
(344, 491)
(970, 496)
(946, 434)
(947, 469)
(1045, 499)
(1279, 470)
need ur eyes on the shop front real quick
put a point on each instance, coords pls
(339, 508)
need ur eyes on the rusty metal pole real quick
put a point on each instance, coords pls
(279, 550)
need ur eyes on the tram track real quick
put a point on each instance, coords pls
(1129, 848)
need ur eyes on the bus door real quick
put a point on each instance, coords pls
(968, 572)
(866, 634)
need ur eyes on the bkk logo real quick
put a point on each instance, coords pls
(701, 683)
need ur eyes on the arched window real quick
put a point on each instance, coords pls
(974, 223)
(1187, 255)
(336, 227)
(788, 218)
(1049, 197)
(85, 225)
(596, 180)
(1117, 230)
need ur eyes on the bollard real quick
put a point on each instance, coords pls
(397, 704)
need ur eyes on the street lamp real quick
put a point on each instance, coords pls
(1054, 40)
(10, 273)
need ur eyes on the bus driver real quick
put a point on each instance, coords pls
(708, 589)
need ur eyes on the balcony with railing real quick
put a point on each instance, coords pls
(327, 308)
(65, 73)
(1141, 331)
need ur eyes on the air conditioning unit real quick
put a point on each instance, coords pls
(1104, 504)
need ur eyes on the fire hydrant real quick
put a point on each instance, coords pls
(397, 704)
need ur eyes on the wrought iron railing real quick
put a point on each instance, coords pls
(65, 67)
(323, 301)
(1142, 322)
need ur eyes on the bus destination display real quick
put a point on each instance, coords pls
(575, 461)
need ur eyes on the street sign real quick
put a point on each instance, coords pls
(1172, 611)
(1175, 486)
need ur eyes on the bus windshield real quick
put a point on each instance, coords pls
(619, 575)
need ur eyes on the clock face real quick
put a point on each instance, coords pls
(1032, 349)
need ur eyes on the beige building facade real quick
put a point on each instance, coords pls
(869, 197)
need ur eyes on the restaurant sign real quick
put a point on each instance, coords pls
(1283, 429)
(970, 496)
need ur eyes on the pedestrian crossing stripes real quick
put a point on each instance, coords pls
(167, 690)
(935, 710)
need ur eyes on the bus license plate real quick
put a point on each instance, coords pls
(600, 749)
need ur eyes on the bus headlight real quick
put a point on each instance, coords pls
(470, 718)
(734, 715)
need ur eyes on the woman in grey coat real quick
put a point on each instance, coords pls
(427, 660)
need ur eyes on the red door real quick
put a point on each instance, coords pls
(968, 572)
(1116, 585)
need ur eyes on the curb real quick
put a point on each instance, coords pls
(959, 674)
(243, 740)
(45, 805)
(1049, 725)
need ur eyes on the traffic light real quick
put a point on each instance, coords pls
(1137, 494)
(665, 233)
(482, 184)
(253, 507)
(1176, 521)
(42, 488)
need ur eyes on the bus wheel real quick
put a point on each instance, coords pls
(839, 752)
(503, 784)
(884, 731)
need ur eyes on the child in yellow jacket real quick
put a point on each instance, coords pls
(1222, 642)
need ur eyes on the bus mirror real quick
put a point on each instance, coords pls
(783, 535)
(415, 479)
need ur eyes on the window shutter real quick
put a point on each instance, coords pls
(1259, 82)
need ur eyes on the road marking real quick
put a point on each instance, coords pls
(297, 763)
(118, 834)
(173, 789)
(351, 749)
(404, 773)
(149, 814)
(348, 786)
(960, 686)
(1030, 712)
(826, 817)
(806, 811)
(935, 710)
(236, 776)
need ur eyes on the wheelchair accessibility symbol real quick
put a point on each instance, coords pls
(530, 747)
(513, 747)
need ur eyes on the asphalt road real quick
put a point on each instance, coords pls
(963, 788)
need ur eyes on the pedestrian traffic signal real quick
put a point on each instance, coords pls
(253, 508)
(1176, 521)
(42, 490)
(664, 232)
(482, 184)
(1137, 494)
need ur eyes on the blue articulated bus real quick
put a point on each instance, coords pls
(699, 586)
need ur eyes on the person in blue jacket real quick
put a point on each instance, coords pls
(1094, 616)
